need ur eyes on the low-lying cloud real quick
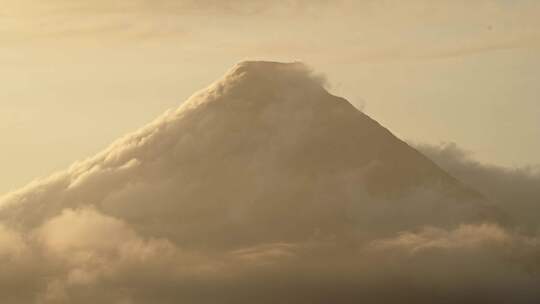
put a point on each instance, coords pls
(83, 256)
(514, 190)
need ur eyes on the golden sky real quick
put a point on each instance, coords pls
(77, 74)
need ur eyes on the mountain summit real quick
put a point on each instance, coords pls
(266, 153)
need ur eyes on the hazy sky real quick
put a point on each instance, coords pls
(77, 74)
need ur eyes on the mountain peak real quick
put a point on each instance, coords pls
(270, 69)
(263, 82)
(296, 72)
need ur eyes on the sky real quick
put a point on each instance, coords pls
(78, 74)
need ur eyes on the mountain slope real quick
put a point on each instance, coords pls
(266, 153)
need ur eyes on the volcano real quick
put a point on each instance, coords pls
(265, 154)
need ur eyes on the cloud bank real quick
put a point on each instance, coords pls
(515, 190)
(263, 188)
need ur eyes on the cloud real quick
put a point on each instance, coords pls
(235, 7)
(11, 244)
(102, 260)
(479, 27)
(514, 190)
(262, 188)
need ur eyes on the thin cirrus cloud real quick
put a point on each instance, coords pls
(460, 30)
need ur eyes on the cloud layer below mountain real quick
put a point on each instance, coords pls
(514, 190)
